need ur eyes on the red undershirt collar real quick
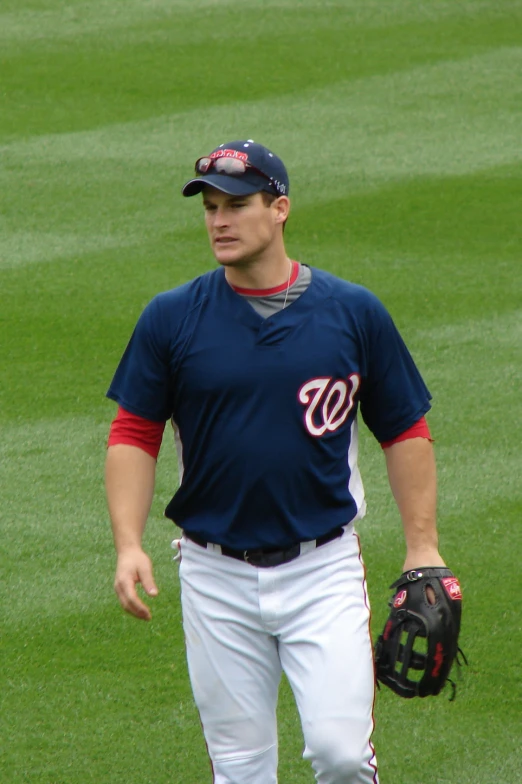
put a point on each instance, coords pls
(269, 292)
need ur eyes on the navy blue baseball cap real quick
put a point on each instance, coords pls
(240, 168)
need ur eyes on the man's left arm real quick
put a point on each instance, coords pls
(413, 481)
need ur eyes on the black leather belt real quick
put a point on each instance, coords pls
(268, 556)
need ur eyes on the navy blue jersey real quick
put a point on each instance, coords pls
(264, 410)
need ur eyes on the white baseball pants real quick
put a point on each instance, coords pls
(244, 625)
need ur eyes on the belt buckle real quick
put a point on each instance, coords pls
(257, 557)
(254, 557)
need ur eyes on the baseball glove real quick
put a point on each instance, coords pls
(419, 643)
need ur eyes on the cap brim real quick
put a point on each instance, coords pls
(234, 186)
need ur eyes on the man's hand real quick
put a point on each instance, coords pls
(417, 560)
(133, 567)
(129, 477)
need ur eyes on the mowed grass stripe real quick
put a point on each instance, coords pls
(20, 248)
(90, 82)
(53, 21)
(401, 112)
(120, 184)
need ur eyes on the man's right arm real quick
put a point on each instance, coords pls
(129, 479)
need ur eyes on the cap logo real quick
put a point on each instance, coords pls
(452, 586)
(242, 156)
(279, 186)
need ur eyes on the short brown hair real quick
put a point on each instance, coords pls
(268, 198)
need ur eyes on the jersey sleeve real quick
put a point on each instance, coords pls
(133, 430)
(419, 430)
(142, 383)
(393, 394)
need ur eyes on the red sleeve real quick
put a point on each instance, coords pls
(134, 430)
(419, 430)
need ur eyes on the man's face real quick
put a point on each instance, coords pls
(240, 228)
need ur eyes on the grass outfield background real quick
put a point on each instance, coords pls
(400, 122)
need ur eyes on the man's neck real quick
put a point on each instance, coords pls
(260, 273)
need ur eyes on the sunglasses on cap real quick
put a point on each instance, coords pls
(234, 167)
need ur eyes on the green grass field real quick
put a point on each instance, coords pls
(401, 125)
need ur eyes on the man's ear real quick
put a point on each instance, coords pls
(282, 208)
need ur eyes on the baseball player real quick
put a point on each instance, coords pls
(262, 365)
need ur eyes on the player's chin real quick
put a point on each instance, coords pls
(231, 253)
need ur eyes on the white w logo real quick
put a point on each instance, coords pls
(328, 402)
